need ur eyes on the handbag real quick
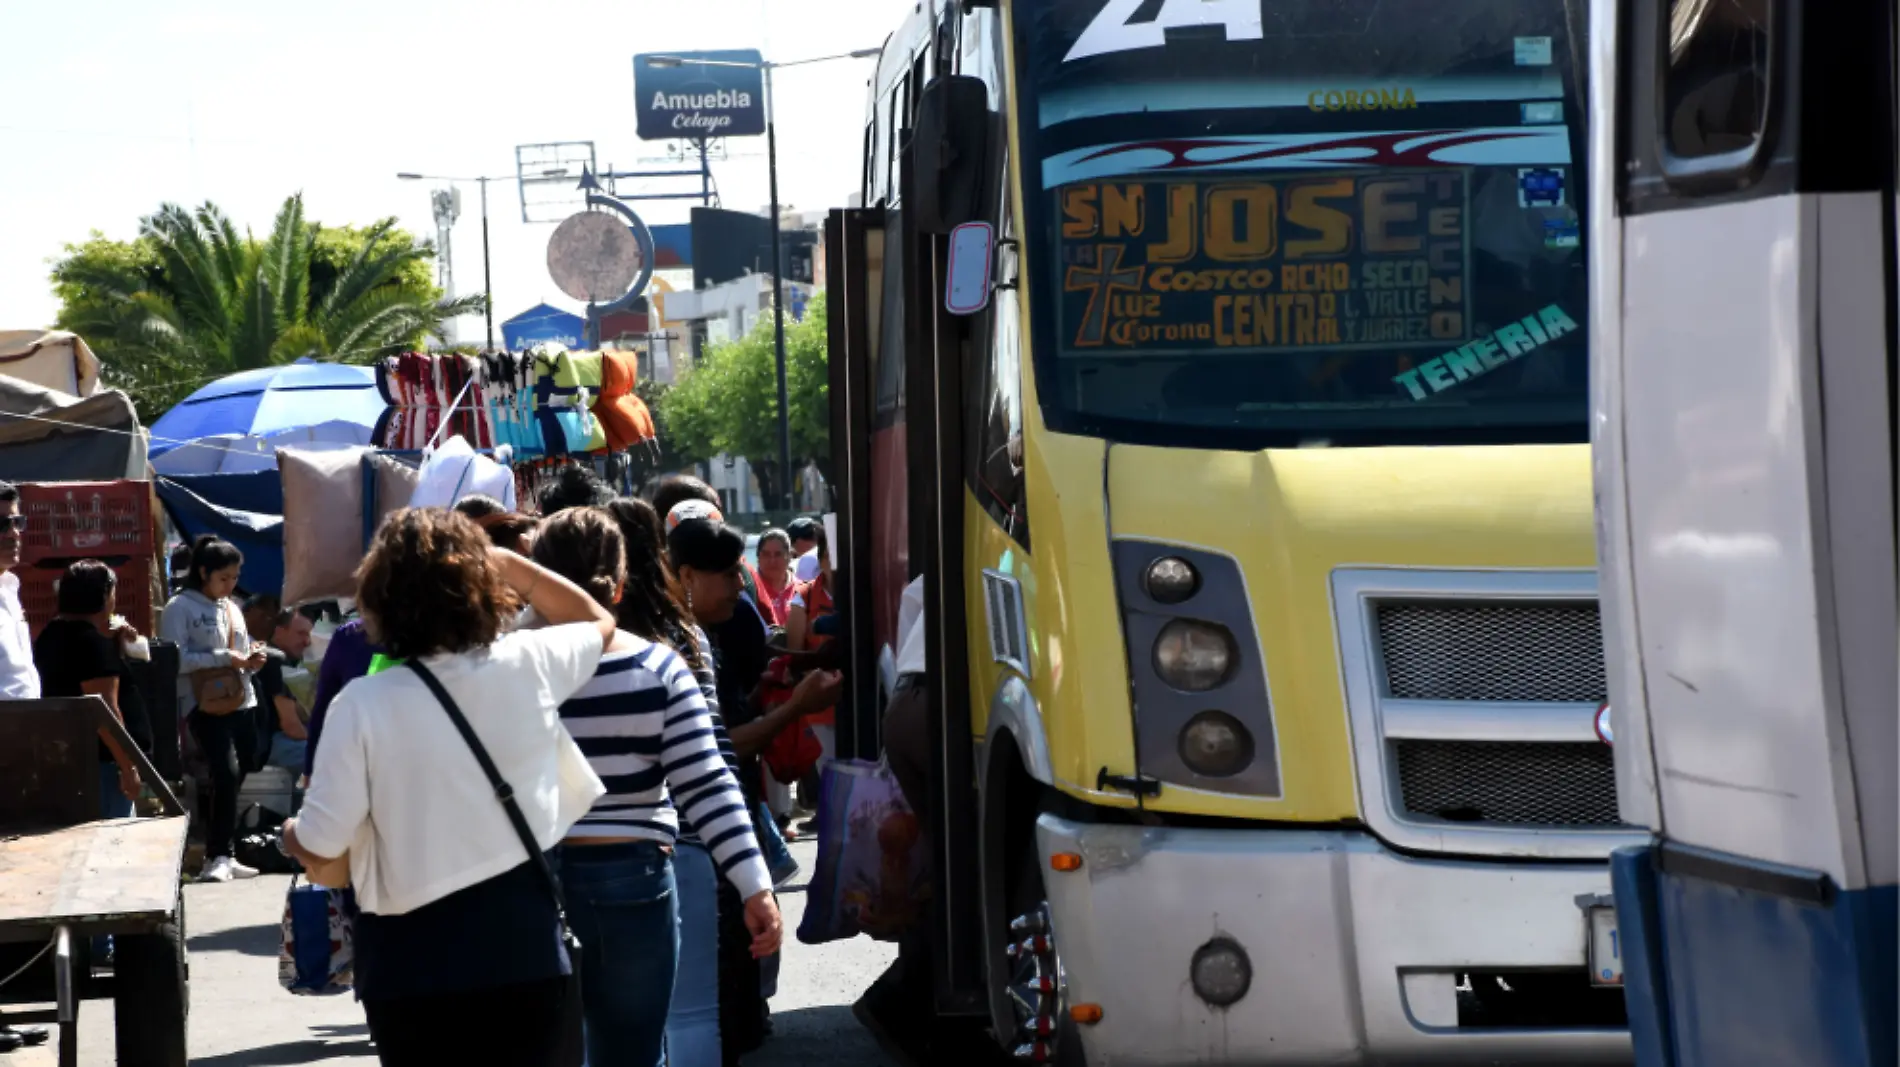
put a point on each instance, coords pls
(569, 1050)
(317, 957)
(220, 690)
(872, 875)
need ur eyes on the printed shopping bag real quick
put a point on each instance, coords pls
(871, 877)
(317, 958)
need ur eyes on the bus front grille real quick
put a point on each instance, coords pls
(1489, 652)
(1528, 784)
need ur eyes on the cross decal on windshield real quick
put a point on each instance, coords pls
(1101, 282)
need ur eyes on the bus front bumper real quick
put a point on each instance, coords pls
(1354, 951)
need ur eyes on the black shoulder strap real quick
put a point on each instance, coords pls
(503, 791)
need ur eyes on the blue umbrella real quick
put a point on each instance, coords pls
(271, 401)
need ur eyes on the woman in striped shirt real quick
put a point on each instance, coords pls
(646, 730)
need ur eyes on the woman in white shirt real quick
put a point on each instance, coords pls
(459, 951)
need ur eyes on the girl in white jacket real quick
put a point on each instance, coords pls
(206, 625)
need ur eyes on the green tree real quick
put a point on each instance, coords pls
(728, 402)
(191, 299)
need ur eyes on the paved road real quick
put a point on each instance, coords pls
(240, 1017)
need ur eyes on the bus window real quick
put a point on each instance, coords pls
(1317, 222)
(913, 88)
(893, 133)
(995, 406)
(1715, 84)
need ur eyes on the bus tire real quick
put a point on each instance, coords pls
(1029, 913)
(151, 1001)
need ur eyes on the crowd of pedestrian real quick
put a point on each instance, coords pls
(608, 654)
(537, 747)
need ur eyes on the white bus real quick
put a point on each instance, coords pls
(1742, 233)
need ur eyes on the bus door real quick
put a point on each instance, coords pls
(854, 288)
(1744, 276)
(933, 400)
(896, 403)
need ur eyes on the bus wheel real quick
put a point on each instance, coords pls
(1037, 993)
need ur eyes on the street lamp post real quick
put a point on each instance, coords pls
(488, 287)
(778, 250)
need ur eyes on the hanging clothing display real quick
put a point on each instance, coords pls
(624, 415)
(549, 401)
(422, 392)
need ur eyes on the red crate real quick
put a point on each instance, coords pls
(39, 594)
(80, 520)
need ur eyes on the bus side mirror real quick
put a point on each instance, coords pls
(972, 250)
(951, 138)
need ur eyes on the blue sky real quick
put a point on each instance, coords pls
(115, 107)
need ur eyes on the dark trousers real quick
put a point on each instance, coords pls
(229, 744)
(904, 992)
(741, 998)
(506, 1026)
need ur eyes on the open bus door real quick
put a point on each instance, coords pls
(896, 402)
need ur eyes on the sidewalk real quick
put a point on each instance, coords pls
(240, 1017)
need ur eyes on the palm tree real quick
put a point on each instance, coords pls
(211, 301)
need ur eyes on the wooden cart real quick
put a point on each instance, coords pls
(66, 877)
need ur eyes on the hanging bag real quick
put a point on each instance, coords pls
(318, 955)
(871, 876)
(220, 690)
(568, 1047)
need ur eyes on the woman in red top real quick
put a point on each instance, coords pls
(776, 586)
(810, 603)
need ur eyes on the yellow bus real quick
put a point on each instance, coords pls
(1221, 368)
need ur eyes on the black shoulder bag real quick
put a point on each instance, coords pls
(569, 1050)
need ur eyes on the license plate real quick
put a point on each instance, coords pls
(1606, 948)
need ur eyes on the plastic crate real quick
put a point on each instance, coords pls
(79, 520)
(39, 594)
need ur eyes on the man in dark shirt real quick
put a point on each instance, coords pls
(282, 721)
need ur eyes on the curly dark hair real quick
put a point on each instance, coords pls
(651, 605)
(584, 546)
(428, 585)
(575, 487)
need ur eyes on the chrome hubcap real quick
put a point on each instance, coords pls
(1035, 987)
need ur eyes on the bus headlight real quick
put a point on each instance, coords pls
(1216, 745)
(1170, 580)
(1194, 656)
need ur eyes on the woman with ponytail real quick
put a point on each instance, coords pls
(644, 725)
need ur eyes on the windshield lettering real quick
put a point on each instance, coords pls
(1486, 354)
(1113, 29)
(1362, 100)
(1287, 242)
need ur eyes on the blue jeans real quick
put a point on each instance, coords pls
(286, 752)
(112, 802)
(692, 1024)
(771, 841)
(622, 905)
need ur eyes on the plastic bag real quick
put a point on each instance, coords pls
(793, 752)
(454, 470)
(318, 955)
(871, 877)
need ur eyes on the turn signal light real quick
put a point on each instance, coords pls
(1066, 861)
(1086, 1014)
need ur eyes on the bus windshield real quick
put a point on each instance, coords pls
(1313, 222)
